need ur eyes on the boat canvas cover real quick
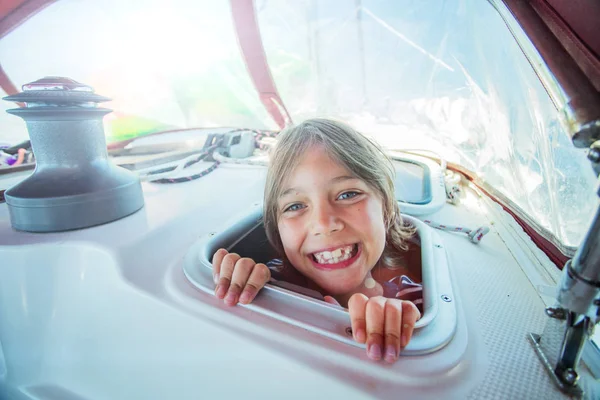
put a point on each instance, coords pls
(446, 77)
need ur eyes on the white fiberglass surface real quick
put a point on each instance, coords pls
(107, 312)
(73, 328)
(435, 329)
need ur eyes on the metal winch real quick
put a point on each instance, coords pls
(74, 184)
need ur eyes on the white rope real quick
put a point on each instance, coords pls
(241, 161)
(475, 235)
(150, 174)
(452, 186)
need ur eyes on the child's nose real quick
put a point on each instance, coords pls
(324, 220)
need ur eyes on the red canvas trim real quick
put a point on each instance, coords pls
(584, 99)
(582, 17)
(253, 52)
(7, 85)
(583, 55)
(14, 13)
(554, 254)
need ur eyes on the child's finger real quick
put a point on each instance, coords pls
(216, 263)
(260, 275)
(410, 315)
(393, 324)
(241, 271)
(357, 306)
(225, 274)
(375, 324)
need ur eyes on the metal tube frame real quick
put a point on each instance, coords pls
(576, 313)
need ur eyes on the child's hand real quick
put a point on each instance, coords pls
(386, 325)
(238, 279)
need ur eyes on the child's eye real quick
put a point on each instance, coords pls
(348, 195)
(293, 207)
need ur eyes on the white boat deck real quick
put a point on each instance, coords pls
(107, 312)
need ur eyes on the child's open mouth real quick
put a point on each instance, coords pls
(339, 258)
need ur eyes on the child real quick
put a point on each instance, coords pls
(331, 212)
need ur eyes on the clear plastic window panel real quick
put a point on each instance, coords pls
(165, 65)
(445, 76)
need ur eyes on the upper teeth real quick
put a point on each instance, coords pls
(334, 256)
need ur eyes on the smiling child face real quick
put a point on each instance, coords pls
(331, 223)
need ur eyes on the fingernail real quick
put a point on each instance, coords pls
(390, 353)
(360, 335)
(216, 278)
(374, 352)
(230, 298)
(403, 341)
(221, 291)
(245, 298)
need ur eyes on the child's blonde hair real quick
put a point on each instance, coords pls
(361, 156)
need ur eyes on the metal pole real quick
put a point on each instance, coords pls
(575, 315)
(361, 49)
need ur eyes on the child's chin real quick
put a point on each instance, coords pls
(340, 288)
